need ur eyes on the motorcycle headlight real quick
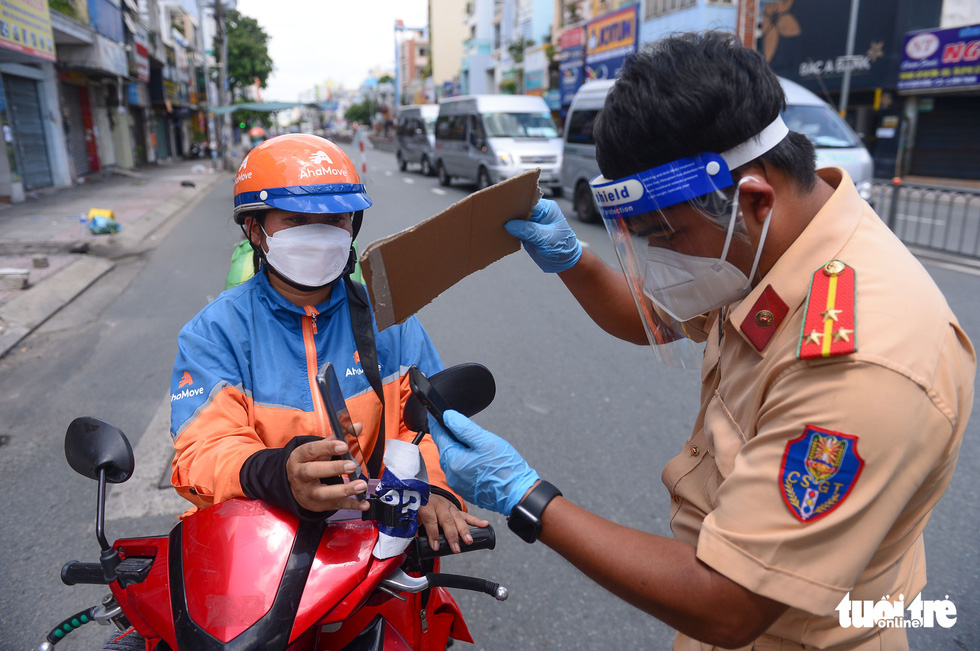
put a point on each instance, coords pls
(864, 189)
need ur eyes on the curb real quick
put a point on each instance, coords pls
(25, 312)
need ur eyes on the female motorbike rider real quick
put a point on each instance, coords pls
(246, 417)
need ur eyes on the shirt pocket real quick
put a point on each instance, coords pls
(724, 437)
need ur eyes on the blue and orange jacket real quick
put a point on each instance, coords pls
(245, 379)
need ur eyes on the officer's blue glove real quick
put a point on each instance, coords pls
(547, 237)
(490, 472)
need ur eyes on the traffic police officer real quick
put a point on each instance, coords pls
(836, 386)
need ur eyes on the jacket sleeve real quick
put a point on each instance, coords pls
(211, 426)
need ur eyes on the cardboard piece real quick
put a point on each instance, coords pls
(404, 272)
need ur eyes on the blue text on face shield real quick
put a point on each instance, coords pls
(661, 187)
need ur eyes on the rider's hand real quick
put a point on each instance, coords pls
(489, 472)
(442, 513)
(547, 237)
(310, 462)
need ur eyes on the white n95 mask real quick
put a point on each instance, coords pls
(313, 255)
(685, 286)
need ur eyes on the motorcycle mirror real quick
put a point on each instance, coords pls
(92, 445)
(467, 388)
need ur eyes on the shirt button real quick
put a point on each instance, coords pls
(695, 450)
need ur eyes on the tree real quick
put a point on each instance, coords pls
(360, 113)
(248, 54)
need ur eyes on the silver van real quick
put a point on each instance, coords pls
(490, 138)
(835, 142)
(416, 136)
(578, 162)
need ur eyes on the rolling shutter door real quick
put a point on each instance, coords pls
(76, 129)
(946, 139)
(25, 114)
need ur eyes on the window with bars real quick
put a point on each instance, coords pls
(657, 8)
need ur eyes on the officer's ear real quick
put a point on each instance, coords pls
(756, 195)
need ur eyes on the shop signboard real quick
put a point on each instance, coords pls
(609, 39)
(25, 27)
(940, 59)
(571, 43)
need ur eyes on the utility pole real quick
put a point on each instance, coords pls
(845, 88)
(221, 53)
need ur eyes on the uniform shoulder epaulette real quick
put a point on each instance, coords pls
(829, 323)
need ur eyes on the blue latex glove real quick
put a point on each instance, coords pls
(490, 472)
(547, 237)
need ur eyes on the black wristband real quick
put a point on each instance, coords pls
(525, 519)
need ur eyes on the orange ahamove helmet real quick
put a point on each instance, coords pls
(299, 173)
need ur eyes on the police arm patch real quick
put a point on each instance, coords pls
(819, 469)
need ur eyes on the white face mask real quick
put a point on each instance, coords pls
(685, 286)
(313, 255)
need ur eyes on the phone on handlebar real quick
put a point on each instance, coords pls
(339, 418)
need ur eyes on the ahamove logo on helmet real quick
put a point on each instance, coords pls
(241, 174)
(320, 157)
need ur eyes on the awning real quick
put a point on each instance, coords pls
(268, 107)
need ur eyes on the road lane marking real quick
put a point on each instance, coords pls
(408, 180)
(388, 172)
(438, 191)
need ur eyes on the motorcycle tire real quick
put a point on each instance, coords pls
(131, 641)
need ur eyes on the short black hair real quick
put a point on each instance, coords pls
(689, 94)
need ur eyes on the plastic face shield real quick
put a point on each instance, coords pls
(672, 227)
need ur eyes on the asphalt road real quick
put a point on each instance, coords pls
(596, 416)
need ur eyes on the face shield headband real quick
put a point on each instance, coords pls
(682, 180)
(633, 211)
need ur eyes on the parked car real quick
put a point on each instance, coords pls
(578, 160)
(835, 142)
(489, 138)
(416, 136)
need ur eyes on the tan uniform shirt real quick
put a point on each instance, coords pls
(902, 401)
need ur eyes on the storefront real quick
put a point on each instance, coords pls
(939, 76)
(34, 155)
(76, 112)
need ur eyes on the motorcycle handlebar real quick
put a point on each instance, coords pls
(78, 572)
(483, 538)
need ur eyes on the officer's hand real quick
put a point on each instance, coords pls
(547, 237)
(490, 472)
(310, 462)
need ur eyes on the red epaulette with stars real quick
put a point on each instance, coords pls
(829, 325)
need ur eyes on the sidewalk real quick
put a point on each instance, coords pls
(46, 236)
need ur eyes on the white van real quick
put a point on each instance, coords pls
(416, 136)
(490, 138)
(835, 142)
(578, 162)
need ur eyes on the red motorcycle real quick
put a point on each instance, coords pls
(244, 574)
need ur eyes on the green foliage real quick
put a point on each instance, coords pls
(360, 113)
(386, 79)
(516, 48)
(63, 7)
(508, 87)
(248, 54)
